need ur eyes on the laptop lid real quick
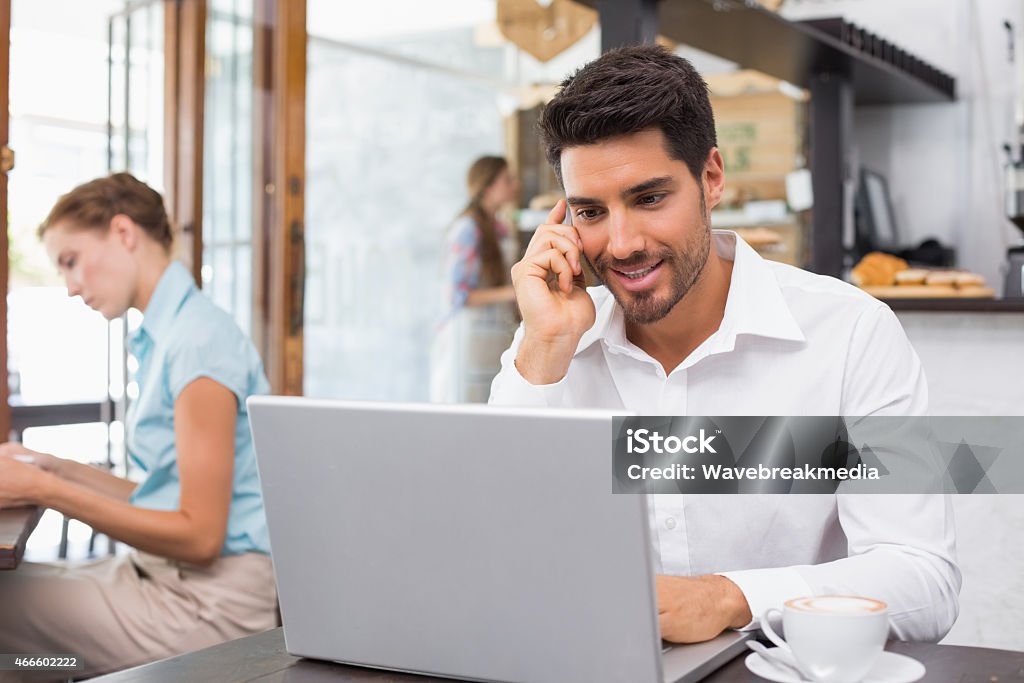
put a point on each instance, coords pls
(466, 541)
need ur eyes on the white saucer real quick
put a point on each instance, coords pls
(890, 668)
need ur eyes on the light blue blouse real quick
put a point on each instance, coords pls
(183, 337)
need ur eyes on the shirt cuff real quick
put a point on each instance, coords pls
(765, 588)
(512, 389)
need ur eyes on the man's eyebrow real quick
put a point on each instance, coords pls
(576, 201)
(645, 186)
(648, 185)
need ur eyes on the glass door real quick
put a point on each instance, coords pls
(66, 363)
(402, 97)
(228, 144)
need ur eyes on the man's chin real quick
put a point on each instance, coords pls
(641, 308)
(643, 315)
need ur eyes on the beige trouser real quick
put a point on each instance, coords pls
(127, 610)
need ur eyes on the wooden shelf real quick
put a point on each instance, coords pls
(957, 305)
(796, 52)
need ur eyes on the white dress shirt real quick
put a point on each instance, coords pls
(790, 343)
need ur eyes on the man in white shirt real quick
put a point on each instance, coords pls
(692, 321)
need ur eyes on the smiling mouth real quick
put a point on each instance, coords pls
(639, 273)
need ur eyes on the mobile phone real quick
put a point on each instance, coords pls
(584, 263)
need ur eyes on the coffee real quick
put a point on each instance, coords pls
(837, 604)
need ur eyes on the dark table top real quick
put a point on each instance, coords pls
(16, 524)
(263, 658)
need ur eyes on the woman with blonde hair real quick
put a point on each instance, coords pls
(479, 305)
(199, 571)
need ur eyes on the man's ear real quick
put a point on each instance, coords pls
(125, 231)
(714, 178)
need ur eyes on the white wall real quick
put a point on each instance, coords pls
(944, 161)
(975, 366)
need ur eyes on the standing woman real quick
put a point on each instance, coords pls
(200, 571)
(480, 316)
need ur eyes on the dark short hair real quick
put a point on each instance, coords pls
(628, 90)
(92, 205)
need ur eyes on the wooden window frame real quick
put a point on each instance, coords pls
(184, 78)
(279, 173)
(279, 132)
(5, 71)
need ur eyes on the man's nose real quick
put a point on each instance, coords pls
(624, 239)
(73, 287)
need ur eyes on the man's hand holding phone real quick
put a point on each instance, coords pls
(552, 296)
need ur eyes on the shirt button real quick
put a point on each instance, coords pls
(670, 523)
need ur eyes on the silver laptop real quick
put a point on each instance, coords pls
(469, 542)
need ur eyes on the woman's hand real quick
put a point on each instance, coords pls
(20, 483)
(43, 461)
(205, 417)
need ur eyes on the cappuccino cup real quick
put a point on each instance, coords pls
(834, 638)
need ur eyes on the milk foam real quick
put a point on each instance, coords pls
(837, 604)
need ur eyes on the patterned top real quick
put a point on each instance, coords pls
(462, 260)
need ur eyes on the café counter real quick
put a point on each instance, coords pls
(972, 351)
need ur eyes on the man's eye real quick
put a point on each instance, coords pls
(588, 214)
(650, 199)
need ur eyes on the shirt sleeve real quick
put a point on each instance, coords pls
(901, 551)
(883, 373)
(223, 362)
(902, 547)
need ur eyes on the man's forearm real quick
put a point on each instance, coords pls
(543, 362)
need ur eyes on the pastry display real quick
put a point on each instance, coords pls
(886, 277)
(877, 269)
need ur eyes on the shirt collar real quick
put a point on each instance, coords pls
(175, 285)
(755, 304)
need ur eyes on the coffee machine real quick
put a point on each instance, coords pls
(1014, 284)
